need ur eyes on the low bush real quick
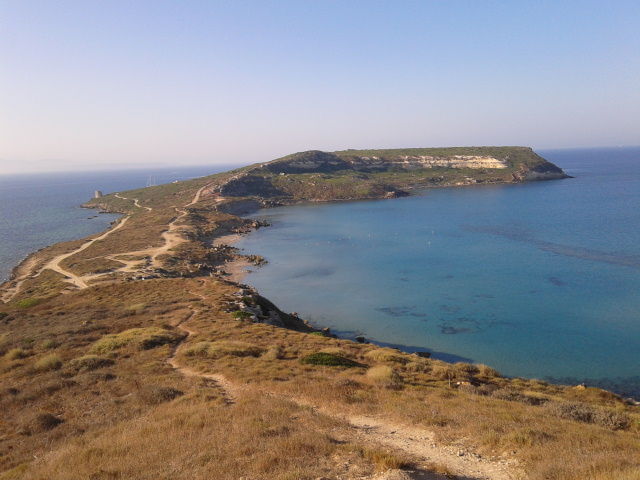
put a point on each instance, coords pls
(143, 338)
(155, 395)
(42, 422)
(385, 376)
(49, 344)
(273, 353)
(222, 348)
(16, 353)
(384, 460)
(329, 360)
(48, 362)
(89, 362)
(487, 372)
(241, 315)
(515, 396)
(386, 355)
(28, 302)
(581, 412)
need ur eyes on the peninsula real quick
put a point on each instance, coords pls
(135, 353)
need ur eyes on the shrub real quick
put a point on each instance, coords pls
(515, 396)
(16, 353)
(42, 422)
(465, 369)
(273, 353)
(383, 355)
(154, 395)
(49, 344)
(89, 362)
(136, 309)
(418, 366)
(240, 315)
(3, 315)
(48, 362)
(329, 360)
(581, 412)
(486, 371)
(222, 348)
(143, 338)
(385, 376)
(384, 460)
(444, 372)
(28, 302)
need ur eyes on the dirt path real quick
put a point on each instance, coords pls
(54, 263)
(416, 442)
(135, 201)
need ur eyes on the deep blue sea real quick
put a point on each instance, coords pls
(537, 280)
(38, 210)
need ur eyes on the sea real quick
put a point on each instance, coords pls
(539, 280)
(38, 210)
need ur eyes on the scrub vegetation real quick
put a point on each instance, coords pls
(149, 371)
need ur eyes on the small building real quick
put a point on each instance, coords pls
(97, 194)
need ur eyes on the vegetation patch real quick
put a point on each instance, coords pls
(48, 362)
(223, 348)
(329, 360)
(89, 362)
(384, 355)
(42, 422)
(241, 315)
(16, 353)
(155, 395)
(143, 338)
(581, 412)
(385, 376)
(28, 302)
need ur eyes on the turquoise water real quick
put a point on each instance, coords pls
(38, 210)
(538, 280)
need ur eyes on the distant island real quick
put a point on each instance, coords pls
(116, 347)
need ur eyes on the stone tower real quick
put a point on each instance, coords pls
(97, 194)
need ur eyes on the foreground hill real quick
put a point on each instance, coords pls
(131, 354)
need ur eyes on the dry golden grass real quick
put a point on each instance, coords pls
(87, 391)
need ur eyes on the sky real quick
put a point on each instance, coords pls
(92, 84)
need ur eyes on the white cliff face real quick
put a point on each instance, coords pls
(454, 161)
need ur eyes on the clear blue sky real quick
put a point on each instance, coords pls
(122, 83)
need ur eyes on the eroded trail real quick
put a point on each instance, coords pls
(418, 443)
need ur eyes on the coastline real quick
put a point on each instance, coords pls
(236, 269)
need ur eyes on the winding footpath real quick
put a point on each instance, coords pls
(171, 238)
(416, 442)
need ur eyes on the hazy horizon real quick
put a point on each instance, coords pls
(94, 86)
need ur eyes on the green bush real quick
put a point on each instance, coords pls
(329, 360)
(240, 315)
(28, 302)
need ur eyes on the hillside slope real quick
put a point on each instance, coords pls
(130, 354)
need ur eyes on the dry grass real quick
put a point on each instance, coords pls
(142, 338)
(48, 362)
(105, 404)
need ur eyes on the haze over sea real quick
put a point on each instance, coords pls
(537, 280)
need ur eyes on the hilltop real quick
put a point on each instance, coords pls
(132, 354)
